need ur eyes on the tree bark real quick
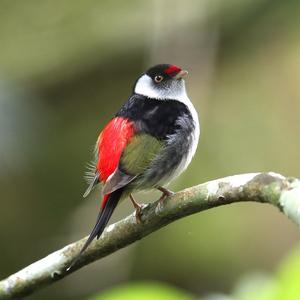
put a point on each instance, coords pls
(271, 188)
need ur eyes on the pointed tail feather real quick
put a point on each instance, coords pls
(102, 220)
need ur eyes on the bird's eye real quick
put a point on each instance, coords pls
(158, 78)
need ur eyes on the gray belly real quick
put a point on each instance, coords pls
(174, 158)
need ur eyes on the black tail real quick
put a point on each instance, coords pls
(102, 220)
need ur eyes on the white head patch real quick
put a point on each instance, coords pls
(176, 91)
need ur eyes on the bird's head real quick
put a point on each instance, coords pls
(162, 81)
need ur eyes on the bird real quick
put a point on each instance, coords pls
(150, 141)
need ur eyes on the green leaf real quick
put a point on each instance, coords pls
(143, 291)
(289, 277)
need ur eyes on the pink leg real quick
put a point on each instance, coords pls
(138, 209)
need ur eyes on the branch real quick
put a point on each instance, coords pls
(271, 188)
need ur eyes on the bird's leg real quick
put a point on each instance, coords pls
(138, 209)
(165, 193)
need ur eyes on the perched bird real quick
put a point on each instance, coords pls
(149, 142)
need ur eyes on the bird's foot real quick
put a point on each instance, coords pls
(138, 210)
(165, 193)
(138, 215)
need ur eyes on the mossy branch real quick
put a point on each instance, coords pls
(271, 188)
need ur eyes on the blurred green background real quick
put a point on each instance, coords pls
(65, 69)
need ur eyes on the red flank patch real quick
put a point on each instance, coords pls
(112, 141)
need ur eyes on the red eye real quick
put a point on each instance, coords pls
(158, 78)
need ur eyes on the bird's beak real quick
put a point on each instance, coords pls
(181, 74)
